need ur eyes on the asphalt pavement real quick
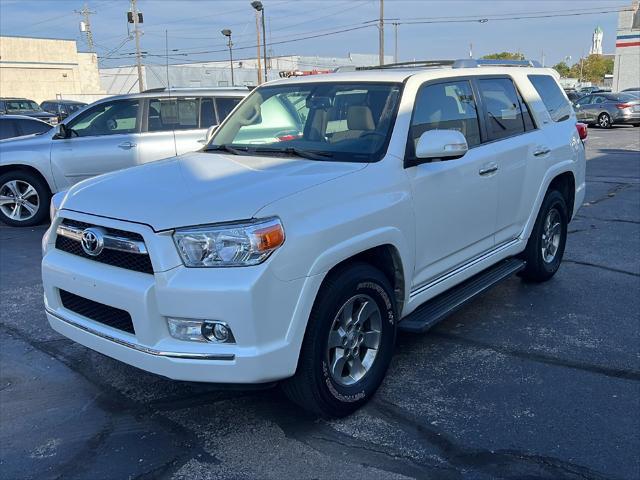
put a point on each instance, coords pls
(527, 381)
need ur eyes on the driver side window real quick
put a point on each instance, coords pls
(109, 118)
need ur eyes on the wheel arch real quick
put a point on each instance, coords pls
(26, 168)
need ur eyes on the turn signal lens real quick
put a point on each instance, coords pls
(269, 238)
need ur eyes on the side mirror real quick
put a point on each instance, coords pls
(61, 132)
(210, 131)
(442, 144)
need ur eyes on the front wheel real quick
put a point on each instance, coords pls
(545, 247)
(348, 343)
(24, 199)
(604, 120)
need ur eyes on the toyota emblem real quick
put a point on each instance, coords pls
(92, 241)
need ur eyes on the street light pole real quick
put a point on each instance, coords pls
(227, 33)
(381, 34)
(259, 7)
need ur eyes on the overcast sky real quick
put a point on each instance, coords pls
(194, 27)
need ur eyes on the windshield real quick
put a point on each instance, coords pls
(328, 120)
(20, 105)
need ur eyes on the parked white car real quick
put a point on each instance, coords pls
(393, 196)
(111, 134)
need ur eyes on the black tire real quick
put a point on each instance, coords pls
(539, 268)
(40, 200)
(604, 120)
(313, 387)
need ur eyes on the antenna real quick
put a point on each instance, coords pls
(85, 25)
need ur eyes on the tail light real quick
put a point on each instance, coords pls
(582, 130)
(287, 138)
(622, 106)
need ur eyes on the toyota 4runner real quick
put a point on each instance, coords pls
(324, 214)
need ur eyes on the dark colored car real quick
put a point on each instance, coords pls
(607, 109)
(19, 125)
(29, 108)
(632, 89)
(574, 96)
(62, 108)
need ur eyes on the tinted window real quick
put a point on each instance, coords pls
(527, 118)
(502, 106)
(445, 106)
(110, 118)
(173, 114)
(7, 129)
(557, 105)
(207, 114)
(28, 127)
(224, 105)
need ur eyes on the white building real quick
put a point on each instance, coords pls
(626, 70)
(120, 80)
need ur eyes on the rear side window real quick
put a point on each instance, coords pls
(207, 114)
(167, 114)
(557, 105)
(505, 116)
(7, 129)
(29, 126)
(224, 105)
(445, 106)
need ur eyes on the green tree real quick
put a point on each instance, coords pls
(504, 56)
(563, 69)
(592, 68)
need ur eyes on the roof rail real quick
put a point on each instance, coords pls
(473, 63)
(413, 64)
(188, 89)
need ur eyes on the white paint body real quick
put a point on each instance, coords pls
(445, 221)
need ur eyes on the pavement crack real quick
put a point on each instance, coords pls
(619, 373)
(610, 194)
(617, 220)
(495, 463)
(595, 265)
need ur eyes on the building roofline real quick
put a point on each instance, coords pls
(39, 38)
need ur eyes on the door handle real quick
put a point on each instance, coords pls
(489, 169)
(541, 151)
(126, 145)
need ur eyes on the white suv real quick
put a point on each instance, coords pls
(325, 213)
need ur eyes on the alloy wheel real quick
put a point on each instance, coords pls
(551, 234)
(354, 340)
(604, 121)
(19, 200)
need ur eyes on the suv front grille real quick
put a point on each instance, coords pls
(98, 312)
(130, 261)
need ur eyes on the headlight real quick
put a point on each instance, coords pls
(229, 245)
(54, 206)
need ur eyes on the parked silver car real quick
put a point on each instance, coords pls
(607, 109)
(111, 134)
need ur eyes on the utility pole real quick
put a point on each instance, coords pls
(258, 48)
(85, 26)
(395, 42)
(381, 34)
(137, 33)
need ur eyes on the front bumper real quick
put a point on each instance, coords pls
(267, 316)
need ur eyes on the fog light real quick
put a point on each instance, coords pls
(200, 330)
(217, 332)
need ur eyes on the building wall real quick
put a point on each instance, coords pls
(218, 74)
(626, 70)
(43, 69)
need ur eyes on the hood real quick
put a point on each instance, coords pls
(36, 114)
(199, 188)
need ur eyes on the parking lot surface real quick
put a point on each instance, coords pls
(527, 381)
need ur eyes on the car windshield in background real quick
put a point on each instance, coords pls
(626, 97)
(318, 121)
(21, 105)
(73, 107)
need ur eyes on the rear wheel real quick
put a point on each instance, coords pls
(546, 244)
(604, 120)
(348, 343)
(24, 199)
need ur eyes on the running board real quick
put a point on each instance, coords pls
(438, 308)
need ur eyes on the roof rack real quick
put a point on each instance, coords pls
(461, 63)
(189, 89)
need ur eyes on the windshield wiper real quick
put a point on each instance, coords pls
(298, 152)
(227, 148)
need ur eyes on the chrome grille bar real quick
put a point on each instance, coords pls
(111, 242)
